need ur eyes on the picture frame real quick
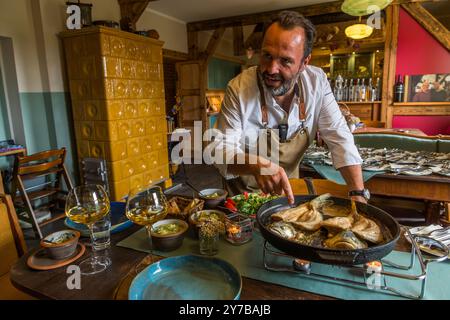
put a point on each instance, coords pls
(429, 88)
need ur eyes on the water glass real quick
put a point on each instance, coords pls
(101, 238)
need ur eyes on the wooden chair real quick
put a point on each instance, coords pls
(41, 166)
(317, 187)
(12, 246)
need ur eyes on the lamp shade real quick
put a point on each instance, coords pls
(358, 31)
(361, 7)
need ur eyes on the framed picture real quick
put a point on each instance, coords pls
(429, 88)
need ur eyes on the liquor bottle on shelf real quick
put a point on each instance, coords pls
(345, 91)
(338, 86)
(350, 91)
(399, 89)
(371, 91)
(356, 92)
(362, 91)
(378, 87)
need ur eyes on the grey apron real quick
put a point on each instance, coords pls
(290, 152)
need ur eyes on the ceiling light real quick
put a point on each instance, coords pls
(358, 31)
(363, 7)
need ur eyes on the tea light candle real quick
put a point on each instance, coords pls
(374, 266)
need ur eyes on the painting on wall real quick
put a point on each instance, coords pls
(429, 88)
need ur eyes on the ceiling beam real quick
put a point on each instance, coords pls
(238, 41)
(130, 12)
(212, 44)
(429, 22)
(255, 18)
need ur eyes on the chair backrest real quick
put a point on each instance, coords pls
(12, 243)
(402, 141)
(42, 164)
(321, 186)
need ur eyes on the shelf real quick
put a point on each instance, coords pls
(362, 102)
(426, 104)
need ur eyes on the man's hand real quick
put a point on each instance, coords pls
(272, 179)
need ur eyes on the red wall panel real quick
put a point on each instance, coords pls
(419, 53)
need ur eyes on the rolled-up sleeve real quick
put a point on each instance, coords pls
(335, 132)
(230, 124)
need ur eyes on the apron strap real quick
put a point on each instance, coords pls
(298, 95)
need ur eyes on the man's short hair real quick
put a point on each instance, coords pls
(288, 20)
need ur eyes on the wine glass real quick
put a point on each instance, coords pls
(146, 206)
(87, 204)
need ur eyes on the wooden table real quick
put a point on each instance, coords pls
(114, 282)
(14, 152)
(432, 188)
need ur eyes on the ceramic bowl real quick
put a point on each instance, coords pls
(201, 215)
(172, 240)
(213, 202)
(61, 244)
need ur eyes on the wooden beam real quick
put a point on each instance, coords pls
(193, 44)
(222, 56)
(238, 41)
(175, 55)
(130, 12)
(429, 22)
(212, 44)
(255, 18)
(390, 56)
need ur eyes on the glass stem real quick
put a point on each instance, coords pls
(94, 252)
(149, 233)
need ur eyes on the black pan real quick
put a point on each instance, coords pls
(325, 255)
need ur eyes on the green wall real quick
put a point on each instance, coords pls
(47, 119)
(220, 72)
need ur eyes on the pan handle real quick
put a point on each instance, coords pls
(310, 186)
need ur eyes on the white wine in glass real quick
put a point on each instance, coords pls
(87, 204)
(145, 207)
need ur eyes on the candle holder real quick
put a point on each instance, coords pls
(238, 229)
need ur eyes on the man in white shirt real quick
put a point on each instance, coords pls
(284, 93)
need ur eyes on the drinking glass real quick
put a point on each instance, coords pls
(87, 204)
(145, 207)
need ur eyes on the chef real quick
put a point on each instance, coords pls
(290, 101)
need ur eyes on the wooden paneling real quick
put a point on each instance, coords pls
(249, 19)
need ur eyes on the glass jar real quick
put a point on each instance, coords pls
(209, 241)
(238, 229)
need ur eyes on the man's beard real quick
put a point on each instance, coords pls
(285, 87)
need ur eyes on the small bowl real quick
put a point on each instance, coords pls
(61, 244)
(215, 201)
(170, 241)
(193, 218)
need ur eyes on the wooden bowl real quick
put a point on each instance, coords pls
(169, 241)
(215, 201)
(61, 244)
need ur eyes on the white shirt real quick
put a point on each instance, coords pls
(241, 112)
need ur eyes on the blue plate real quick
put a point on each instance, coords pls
(119, 221)
(188, 277)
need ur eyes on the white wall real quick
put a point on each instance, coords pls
(18, 21)
(171, 30)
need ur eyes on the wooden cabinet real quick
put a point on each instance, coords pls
(117, 92)
(364, 110)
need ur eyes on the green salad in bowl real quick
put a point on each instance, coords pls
(248, 203)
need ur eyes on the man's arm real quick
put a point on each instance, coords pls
(270, 177)
(354, 180)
